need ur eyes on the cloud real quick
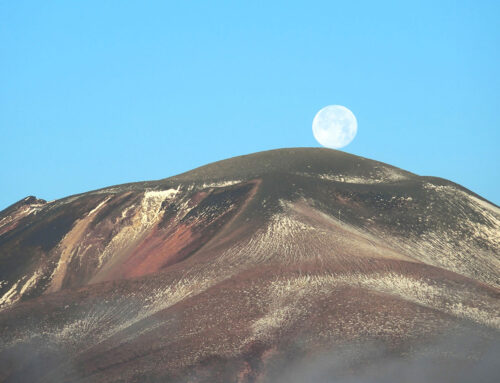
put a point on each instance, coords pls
(457, 358)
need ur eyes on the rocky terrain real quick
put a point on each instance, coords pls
(291, 265)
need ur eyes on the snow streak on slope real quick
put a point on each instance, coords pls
(286, 295)
(68, 247)
(377, 176)
(145, 216)
(303, 234)
(468, 245)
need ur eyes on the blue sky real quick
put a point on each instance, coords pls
(96, 93)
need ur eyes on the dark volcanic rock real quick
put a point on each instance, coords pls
(286, 265)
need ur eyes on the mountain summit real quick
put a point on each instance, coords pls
(239, 269)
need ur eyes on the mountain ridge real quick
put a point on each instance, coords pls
(229, 269)
(291, 151)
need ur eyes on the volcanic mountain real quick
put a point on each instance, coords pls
(267, 267)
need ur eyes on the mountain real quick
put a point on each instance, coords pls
(287, 265)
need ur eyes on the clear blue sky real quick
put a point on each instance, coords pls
(96, 93)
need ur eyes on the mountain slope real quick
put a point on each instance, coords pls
(224, 272)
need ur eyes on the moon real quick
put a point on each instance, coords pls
(334, 126)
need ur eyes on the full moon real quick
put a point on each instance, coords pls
(334, 126)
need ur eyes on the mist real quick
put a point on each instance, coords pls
(455, 357)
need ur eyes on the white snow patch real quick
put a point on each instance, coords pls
(11, 296)
(15, 294)
(220, 184)
(375, 177)
(161, 194)
(98, 207)
(22, 212)
(30, 283)
(146, 215)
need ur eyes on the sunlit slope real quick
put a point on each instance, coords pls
(237, 260)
